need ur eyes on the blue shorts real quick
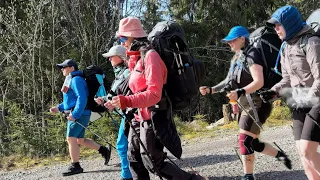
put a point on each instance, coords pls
(76, 130)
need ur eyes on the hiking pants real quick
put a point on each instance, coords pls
(122, 148)
(140, 164)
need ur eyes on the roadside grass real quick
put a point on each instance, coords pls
(280, 116)
(187, 130)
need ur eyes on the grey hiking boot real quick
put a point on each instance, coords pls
(105, 153)
(74, 168)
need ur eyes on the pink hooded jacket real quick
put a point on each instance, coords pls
(146, 83)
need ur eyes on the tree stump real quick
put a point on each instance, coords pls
(227, 111)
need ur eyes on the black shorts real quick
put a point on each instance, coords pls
(263, 110)
(306, 124)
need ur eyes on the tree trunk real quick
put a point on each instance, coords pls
(226, 110)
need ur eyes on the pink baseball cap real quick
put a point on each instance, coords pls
(131, 27)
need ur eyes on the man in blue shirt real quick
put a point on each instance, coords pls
(75, 95)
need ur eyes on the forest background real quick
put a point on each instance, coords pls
(35, 35)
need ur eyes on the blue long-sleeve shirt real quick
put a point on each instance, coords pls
(76, 96)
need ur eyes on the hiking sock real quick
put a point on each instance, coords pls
(247, 177)
(105, 153)
(101, 150)
(281, 156)
(75, 164)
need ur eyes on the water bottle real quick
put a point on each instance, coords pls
(66, 84)
(235, 107)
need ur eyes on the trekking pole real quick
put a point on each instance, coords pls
(106, 109)
(227, 89)
(254, 119)
(68, 112)
(114, 122)
(184, 163)
(235, 149)
(140, 141)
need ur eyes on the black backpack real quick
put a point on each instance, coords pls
(268, 44)
(314, 21)
(185, 73)
(90, 75)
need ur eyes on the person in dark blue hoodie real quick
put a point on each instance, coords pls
(300, 65)
(75, 94)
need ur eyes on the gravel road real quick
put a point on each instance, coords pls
(212, 157)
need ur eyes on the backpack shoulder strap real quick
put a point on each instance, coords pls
(304, 42)
(143, 56)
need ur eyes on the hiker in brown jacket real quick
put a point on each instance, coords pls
(300, 65)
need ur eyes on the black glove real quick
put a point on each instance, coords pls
(226, 89)
(268, 95)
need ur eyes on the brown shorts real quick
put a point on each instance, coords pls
(306, 124)
(263, 110)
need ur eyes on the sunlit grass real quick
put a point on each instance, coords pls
(187, 130)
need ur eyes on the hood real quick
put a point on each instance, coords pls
(290, 18)
(305, 30)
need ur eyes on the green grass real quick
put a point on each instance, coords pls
(187, 130)
(280, 116)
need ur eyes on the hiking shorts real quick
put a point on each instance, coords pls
(306, 124)
(76, 130)
(263, 109)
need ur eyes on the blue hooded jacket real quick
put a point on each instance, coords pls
(76, 96)
(290, 18)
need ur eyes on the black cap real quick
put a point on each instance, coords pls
(272, 21)
(68, 63)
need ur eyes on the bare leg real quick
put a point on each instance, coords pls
(248, 160)
(269, 150)
(88, 143)
(74, 149)
(309, 170)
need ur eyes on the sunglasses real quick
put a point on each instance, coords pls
(123, 39)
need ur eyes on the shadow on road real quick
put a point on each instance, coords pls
(273, 175)
(103, 171)
(207, 160)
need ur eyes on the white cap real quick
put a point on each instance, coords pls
(117, 50)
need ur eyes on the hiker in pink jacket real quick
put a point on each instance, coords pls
(148, 75)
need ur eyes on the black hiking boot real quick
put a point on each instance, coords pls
(281, 156)
(74, 168)
(105, 153)
(247, 177)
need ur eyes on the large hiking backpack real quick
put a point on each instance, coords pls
(314, 21)
(94, 78)
(168, 39)
(267, 42)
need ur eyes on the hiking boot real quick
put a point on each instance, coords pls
(105, 153)
(74, 168)
(281, 156)
(126, 179)
(247, 177)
